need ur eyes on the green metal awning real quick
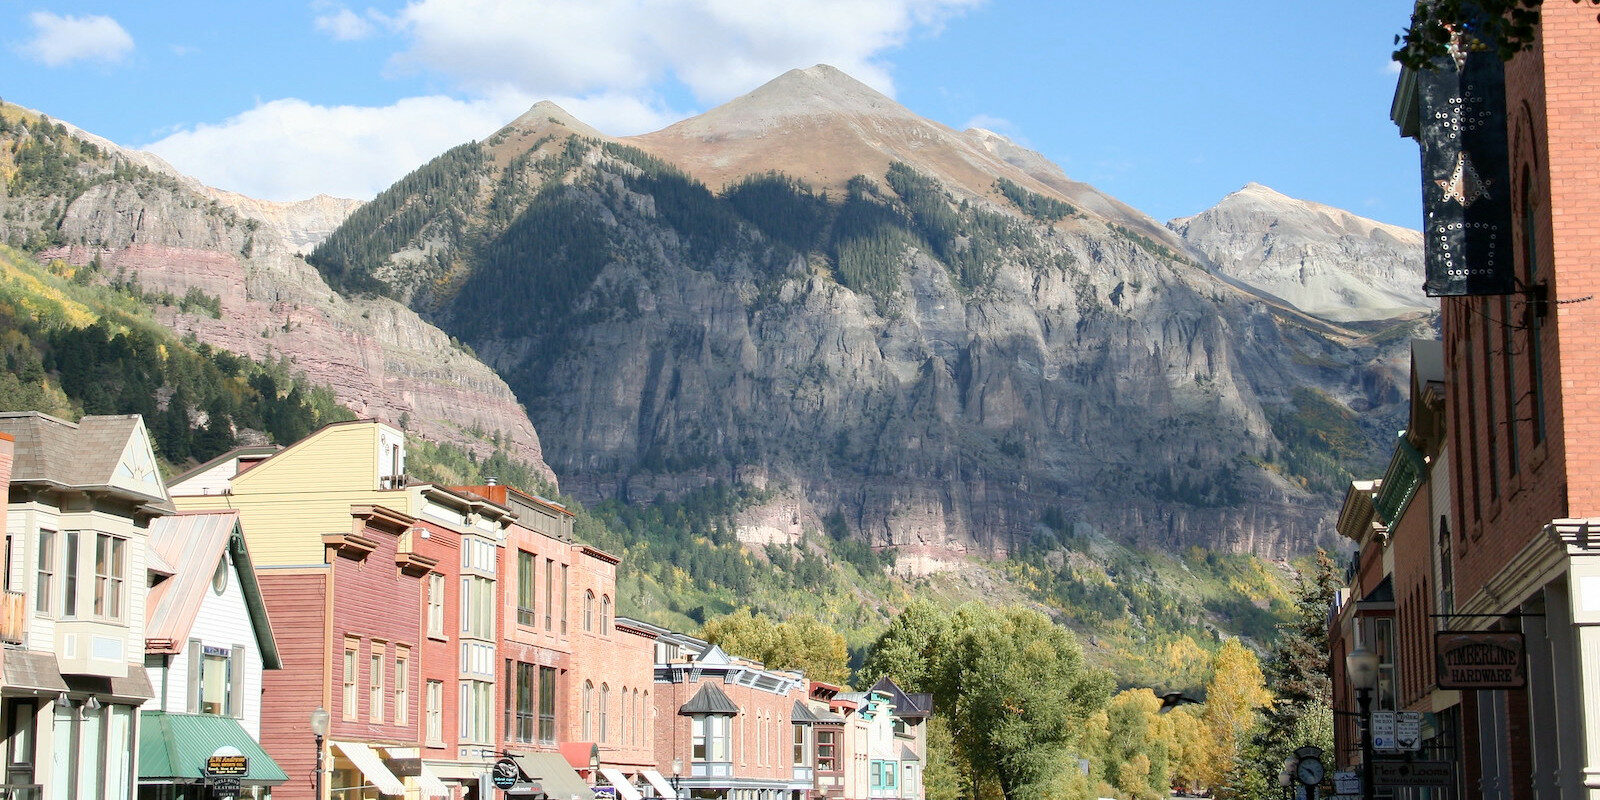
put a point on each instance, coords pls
(174, 748)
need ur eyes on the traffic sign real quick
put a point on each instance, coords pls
(1412, 773)
(1383, 730)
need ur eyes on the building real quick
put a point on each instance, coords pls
(82, 498)
(1511, 563)
(366, 576)
(726, 724)
(1400, 577)
(208, 644)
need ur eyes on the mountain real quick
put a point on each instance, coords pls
(140, 224)
(1323, 260)
(928, 340)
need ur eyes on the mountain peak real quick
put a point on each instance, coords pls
(544, 114)
(819, 90)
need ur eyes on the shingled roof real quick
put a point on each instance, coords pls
(905, 705)
(84, 455)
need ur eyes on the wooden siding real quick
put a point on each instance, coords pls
(221, 621)
(297, 602)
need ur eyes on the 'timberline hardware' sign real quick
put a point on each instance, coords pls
(1480, 660)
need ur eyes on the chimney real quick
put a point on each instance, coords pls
(491, 481)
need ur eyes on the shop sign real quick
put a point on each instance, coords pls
(228, 761)
(505, 774)
(1412, 773)
(1480, 660)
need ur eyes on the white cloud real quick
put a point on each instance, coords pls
(1392, 67)
(60, 40)
(716, 48)
(608, 62)
(347, 26)
(298, 149)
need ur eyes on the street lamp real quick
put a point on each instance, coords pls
(319, 729)
(1286, 775)
(1361, 669)
(677, 769)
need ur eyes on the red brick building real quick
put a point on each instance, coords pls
(1513, 546)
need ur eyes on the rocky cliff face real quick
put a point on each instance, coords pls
(955, 343)
(146, 223)
(1323, 260)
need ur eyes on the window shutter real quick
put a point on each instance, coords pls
(195, 660)
(236, 687)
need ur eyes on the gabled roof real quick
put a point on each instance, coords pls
(905, 705)
(907, 755)
(237, 453)
(86, 455)
(195, 541)
(801, 715)
(714, 655)
(709, 700)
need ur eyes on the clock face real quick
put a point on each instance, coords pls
(1309, 772)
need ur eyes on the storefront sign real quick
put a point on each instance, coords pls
(223, 787)
(1480, 660)
(233, 764)
(505, 774)
(1466, 173)
(1412, 773)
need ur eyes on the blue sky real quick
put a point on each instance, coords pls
(1167, 105)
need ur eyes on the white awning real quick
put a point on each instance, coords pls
(431, 785)
(625, 787)
(372, 767)
(659, 781)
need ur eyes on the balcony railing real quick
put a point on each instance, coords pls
(13, 619)
(21, 791)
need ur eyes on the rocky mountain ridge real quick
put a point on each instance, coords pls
(144, 222)
(936, 337)
(1323, 260)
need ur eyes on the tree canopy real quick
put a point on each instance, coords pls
(1507, 25)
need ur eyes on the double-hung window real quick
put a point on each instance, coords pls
(110, 567)
(526, 615)
(45, 584)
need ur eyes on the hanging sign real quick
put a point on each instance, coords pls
(1466, 173)
(1480, 660)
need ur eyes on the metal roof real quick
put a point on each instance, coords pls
(709, 700)
(174, 747)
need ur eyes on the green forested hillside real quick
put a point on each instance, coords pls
(74, 346)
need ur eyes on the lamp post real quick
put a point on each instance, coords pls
(1286, 776)
(319, 729)
(677, 770)
(1361, 669)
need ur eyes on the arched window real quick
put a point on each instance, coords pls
(605, 614)
(588, 610)
(627, 717)
(1536, 309)
(605, 706)
(588, 710)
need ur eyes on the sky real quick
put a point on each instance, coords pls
(1168, 105)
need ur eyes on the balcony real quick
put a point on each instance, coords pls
(13, 619)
